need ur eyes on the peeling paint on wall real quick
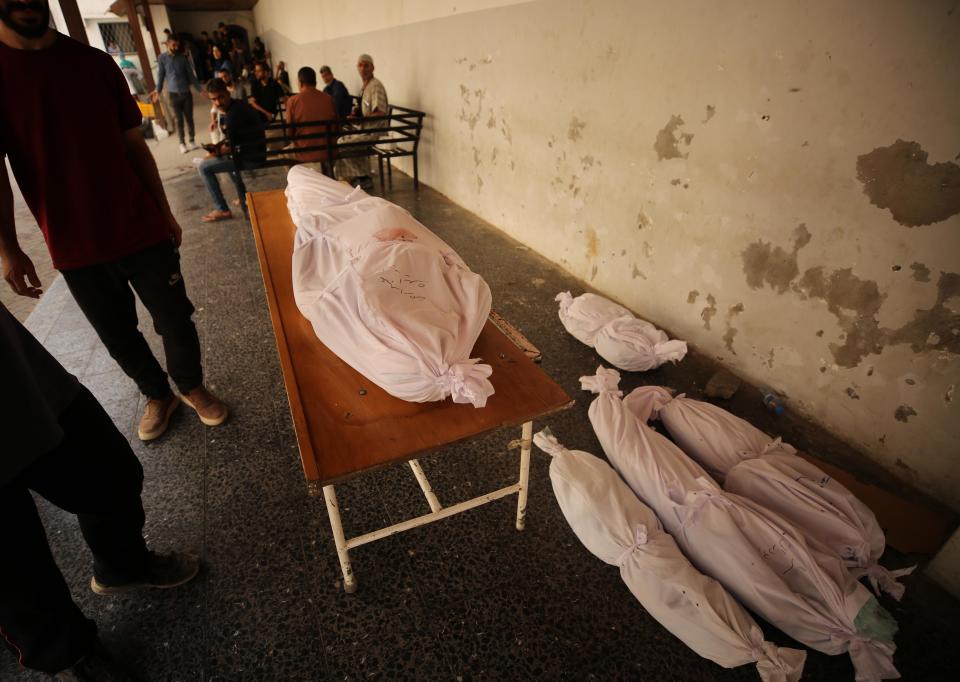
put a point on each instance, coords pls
(667, 144)
(855, 302)
(643, 220)
(921, 272)
(709, 311)
(711, 111)
(899, 178)
(764, 263)
(903, 413)
(575, 131)
(731, 332)
(692, 296)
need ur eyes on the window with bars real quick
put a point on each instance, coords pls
(117, 37)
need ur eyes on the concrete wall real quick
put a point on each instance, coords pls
(774, 182)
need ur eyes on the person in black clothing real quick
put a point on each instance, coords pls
(244, 128)
(58, 442)
(265, 93)
(283, 78)
(341, 98)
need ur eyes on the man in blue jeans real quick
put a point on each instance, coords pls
(243, 127)
(176, 71)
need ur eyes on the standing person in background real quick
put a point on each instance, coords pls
(373, 102)
(338, 91)
(108, 239)
(309, 104)
(220, 61)
(283, 78)
(239, 57)
(260, 52)
(175, 69)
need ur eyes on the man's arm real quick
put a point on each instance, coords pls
(253, 103)
(18, 269)
(146, 169)
(192, 75)
(161, 75)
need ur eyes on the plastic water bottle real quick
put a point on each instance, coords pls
(772, 400)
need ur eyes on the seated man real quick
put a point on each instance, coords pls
(244, 128)
(309, 105)
(341, 98)
(216, 118)
(373, 102)
(266, 96)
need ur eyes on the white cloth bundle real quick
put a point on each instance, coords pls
(622, 531)
(756, 554)
(619, 338)
(752, 464)
(386, 294)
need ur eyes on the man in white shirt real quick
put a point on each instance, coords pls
(373, 102)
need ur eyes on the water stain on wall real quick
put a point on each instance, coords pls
(856, 303)
(643, 220)
(667, 144)
(921, 272)
(904, 412)
(575, 131)
(765, 263)
(899, 178)
(709, 311)
(711, 111)
(593, 244)
(730, 334)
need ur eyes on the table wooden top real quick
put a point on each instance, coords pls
(345, 423)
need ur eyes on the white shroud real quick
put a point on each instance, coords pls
(768, 471)
(755, 553)
(385, 294)
(621, 530)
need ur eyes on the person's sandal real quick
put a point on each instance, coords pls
(216, 216)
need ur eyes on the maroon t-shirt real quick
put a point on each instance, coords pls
(63, 114)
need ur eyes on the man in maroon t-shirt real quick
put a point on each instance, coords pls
(90, 180)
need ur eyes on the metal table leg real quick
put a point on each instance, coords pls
(333, 511)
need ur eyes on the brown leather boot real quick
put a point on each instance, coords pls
(211, 410)
(156, 416)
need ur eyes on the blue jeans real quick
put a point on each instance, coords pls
(209, 168)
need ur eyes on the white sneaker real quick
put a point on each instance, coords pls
(183, 148)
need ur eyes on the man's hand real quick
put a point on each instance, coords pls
(213, 124)
(176, 233)
(20, 274)
(154, 96)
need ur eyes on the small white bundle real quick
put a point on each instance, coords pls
(618, 336)
(385, 294)
(768, 471)
(622, 531)
(756, 554)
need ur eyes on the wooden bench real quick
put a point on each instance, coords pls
(346, 425)
(399, 136)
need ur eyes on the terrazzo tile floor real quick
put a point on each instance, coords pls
(465, 598)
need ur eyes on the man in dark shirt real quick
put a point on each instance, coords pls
(108, 239)
(56, 441)
(341, 98)
(265, 93)
(244, 128)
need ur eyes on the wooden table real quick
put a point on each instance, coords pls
(347, 425)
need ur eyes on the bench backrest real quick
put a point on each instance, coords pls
(401, 125)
